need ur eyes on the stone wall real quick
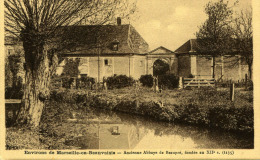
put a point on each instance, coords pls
(184, 65)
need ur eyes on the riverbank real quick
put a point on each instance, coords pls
(201, 107)
(198, 107)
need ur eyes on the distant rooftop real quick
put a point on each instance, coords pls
(187, 47)
(87, 37)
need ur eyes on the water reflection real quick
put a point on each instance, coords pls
(101, 129)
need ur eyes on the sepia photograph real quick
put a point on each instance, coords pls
(128, 78)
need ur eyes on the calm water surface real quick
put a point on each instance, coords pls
(100, 129)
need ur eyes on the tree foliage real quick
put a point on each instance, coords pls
(215, 35)
(71, 68)
(243, 34)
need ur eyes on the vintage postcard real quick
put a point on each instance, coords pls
(129, 79)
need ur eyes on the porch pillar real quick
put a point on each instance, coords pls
(193, 65)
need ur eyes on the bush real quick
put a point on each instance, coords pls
(147, 80)
(169, 81)
(231, 118)
(119, 81)
(56, 82)
(85, 82)
(250, 85)
(67, 82)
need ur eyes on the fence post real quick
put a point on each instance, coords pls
(105, 86)
(61, 83)
(181, 83)
(246, 81)
(232, 92)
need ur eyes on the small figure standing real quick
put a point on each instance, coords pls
(105, 83)
(155, 84)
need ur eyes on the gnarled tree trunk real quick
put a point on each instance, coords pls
(36, 90)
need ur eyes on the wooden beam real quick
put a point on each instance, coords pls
(13, 101)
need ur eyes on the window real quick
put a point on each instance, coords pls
(115, 47)
(108, 62)
(115, 130)
(10, 51)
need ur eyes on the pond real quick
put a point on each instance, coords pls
(101, 129)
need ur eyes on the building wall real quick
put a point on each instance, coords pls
(204, 66)
(174, 65)
(139, 66)
(184, 65)
(226, 67)
(133, 66)
(121, 65)
(234, 69)
(193, 61)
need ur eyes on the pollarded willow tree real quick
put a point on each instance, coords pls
(214, 37)
(36, 23)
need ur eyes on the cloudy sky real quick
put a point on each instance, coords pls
(170, 23)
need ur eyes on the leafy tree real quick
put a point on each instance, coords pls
(215, 35)
(36, 23)
(243, 35)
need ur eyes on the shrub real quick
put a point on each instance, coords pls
(56, 82)
(231, 118)
(119, 81)
(250, 85)
(67, 82)
(85, 82)
(22, 138)
(191, 76)
(147, 80)
(169, 81)
(194, 114)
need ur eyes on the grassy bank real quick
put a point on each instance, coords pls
(203, 107)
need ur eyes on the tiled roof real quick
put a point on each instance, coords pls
(84, 39)
(187, 47)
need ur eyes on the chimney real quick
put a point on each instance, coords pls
(118, 21)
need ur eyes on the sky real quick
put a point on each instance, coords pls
(170, 23)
